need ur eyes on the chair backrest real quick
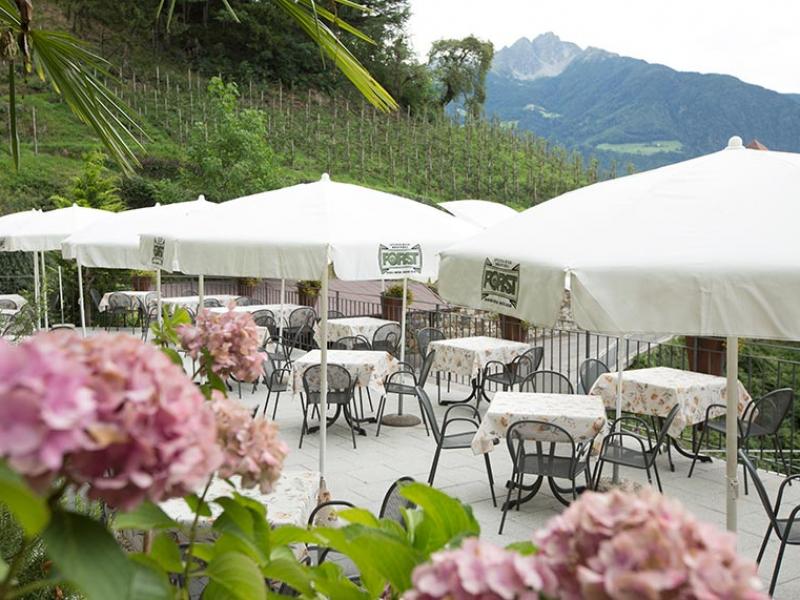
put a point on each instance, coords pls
(8, 304)
(150, 299)
(243, 301)
(393, 503)
(340, 384)
(425, 336)
(95, 296)
(120, 300)
(262, 317)
(387, 337)
(546, 382)
(589, 371)
(301, 317)
(425, 369)
(665, 425)
(211, 303)
(351, 342)
(189, 292)
(427, 406)
(762, 491)
(534, 445)
(335, 314)
(769, 411)
(535, 355)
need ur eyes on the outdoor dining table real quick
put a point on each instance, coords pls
(582, 416)
(368, 368)
(193, 301)
(275, 309)
(137, 298)
(654, 391)
(467, 356)
(15, 298)
(352, 326)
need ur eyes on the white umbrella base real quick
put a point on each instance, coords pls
(400, 420)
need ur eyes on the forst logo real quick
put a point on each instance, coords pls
(400, 258)
(158, 251)
(500, 282)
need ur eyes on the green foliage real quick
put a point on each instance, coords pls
(95, 187)
(309, 287)
(460, 68)
(396, 291)
(232, 158)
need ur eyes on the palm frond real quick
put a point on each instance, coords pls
(12, 110)
(335, 20)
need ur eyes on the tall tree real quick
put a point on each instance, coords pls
(460, 68)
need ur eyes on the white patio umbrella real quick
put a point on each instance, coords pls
(113, 243)
(46, 231)
(481, 213)
(8, 226)
(705, 247)
(296, 232)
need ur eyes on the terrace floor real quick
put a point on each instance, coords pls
(362, 476)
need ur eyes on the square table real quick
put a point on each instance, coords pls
(275, 309)
(468, 356)
(193, 301)
(352, 326)
(582, 416)
(137, 298)
(369, 368)
(15, 298)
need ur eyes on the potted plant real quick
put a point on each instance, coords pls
(142, 281)
(512, 328)
(392, 302)
(246, 286)
(308, 292)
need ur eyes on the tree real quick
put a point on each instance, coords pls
(95, 187)
(460, 68)
(232, 158)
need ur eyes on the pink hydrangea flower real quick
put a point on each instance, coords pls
(621, 545)
(232, 340)
(153, 435)
(44, 403)
(477, 570)
(251, 447)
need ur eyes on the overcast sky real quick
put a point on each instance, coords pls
(755, 40)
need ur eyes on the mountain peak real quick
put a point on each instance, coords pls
(546, 55)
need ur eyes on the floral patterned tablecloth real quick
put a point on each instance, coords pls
(275, 309)
(467, 356)
(193, 301)
(136, 297)
(655, 391)
(369, 368)
(583, 417)
(351, 326)
(290, 503)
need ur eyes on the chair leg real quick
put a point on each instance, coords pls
(767, 535)
(266, 403)
(510, 486)
(275, 408)
(369, 399)
(381, 407)
(779, 449)
(434, 464)
(491, 478)
(773, 582)
(703, 434)
(658, 479)
(348, 416)
(304, 428)
(598, 472)
(424, 419)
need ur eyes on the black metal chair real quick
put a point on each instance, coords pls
(335, 314)
(276, 379)
(351, 342)
(546, 382)
(322, 516)
(545, 450)
(262, 317)
(395, 384)
(453, 441)
(120, 307)
(642, 455)
(149, 316)
(513, 373)
(7, 304)
(590, 370)
(787, 529)
(300, 326)
(244, 301)
(340, 393)
(387, 338)
(424, 337)
(394, 503)
(760, 419)
(211, 303)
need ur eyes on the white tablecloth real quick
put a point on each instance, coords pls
(291, 503)
(15, 298)
(655, 391)
(136, 297)
(368, 368)
(467, 356)
(583, 417)
(192, 301)
(274, 308)
(352, 326)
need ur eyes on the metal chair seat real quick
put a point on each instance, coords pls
(561, 467)
(794, 532)
(719, 426)
(458, 440)
(627, 457)
(394, 387)
(503, 378)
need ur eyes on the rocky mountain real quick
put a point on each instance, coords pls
(624, 109)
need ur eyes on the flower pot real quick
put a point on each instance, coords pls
(306, 299)
(391, 308)
(142, 283)
(706, 355)
(511, 328)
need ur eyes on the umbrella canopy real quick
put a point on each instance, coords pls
(113, 243)
(703, 247)
(10, 224)
(481, 213)
(48, 229)
(296, 231)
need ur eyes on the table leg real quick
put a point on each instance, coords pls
(701, 457)
(477, 393)
(531, 490)
(332, 420)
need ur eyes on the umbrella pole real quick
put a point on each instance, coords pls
(323, 396)
(401, 420)
(201, 292)
(80, 300)
(158, 293)
(36, 290)
(44, 293)
(618, 412)
(281, 316)
(731, 431)
(61, 293)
